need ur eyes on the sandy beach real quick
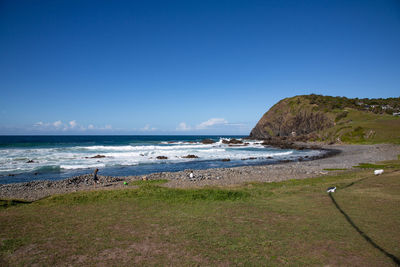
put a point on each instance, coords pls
(346, 157)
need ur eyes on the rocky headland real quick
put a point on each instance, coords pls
(329, 119)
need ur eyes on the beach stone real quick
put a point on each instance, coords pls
(207, 141)
(233, 141)
(190, 156)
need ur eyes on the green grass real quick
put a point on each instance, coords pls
(360, 127)
(4, 203)
(149, 182)
(147, 192)
(386, 165)
(292, 222)
(370, 166)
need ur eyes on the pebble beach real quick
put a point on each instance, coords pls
(339, 157)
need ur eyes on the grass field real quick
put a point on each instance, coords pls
(360, 127)
(287, 223)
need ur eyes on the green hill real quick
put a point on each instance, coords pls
(331, 119)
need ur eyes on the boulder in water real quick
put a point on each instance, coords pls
(207, 141)
(190, 157)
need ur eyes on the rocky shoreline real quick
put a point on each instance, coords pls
(336, 156)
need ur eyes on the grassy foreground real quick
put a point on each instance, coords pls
(288, 223)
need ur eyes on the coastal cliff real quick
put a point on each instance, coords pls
(331, 119)
(291, 116)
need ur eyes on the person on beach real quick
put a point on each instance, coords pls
(95, 179)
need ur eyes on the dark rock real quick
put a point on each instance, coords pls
(190, 157)
(96, 157)
(30, 161)
(226, 160)
(278, 142)
(161, 157)
(207, 141)
(233, 141)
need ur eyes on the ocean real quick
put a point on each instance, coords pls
(29, 158)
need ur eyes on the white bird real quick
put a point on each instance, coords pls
(378, 172)
(331, 189)
(191, 175)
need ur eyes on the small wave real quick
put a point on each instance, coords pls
(180, 143)
(45, 169)
(81, 166)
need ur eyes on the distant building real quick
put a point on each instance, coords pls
(386, 107)
(396, 114)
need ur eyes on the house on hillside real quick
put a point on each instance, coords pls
(396, 114)
(386, 107)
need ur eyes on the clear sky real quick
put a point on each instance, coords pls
(185, 67)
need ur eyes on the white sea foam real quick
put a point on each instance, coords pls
(81, 157)
(81, 166)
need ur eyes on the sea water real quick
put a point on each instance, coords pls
(28, 158)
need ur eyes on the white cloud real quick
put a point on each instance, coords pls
(73, 124)
(57, 124)
(147, 128)
(41, 124)
(183, 127)
(211, 122)
(70, 126)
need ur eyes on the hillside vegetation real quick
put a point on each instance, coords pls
(331, 119)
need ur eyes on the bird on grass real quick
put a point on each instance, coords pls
(331, 189)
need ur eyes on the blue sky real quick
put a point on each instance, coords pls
(185, 67)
